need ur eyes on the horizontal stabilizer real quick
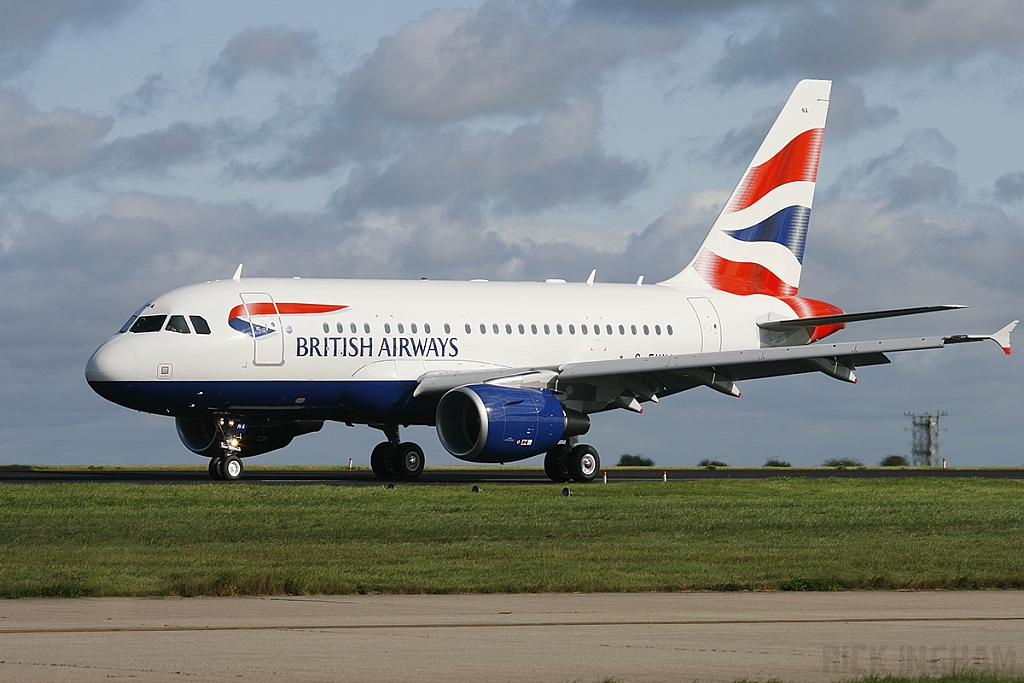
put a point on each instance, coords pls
(843, 318)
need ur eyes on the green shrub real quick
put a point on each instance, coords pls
(894, 461)
(711, 464)
(775, 462)
(843, 462)
(630, 460)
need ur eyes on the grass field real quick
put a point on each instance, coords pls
(790, 534)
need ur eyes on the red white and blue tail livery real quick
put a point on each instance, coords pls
(504, 370)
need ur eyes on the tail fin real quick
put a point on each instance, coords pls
(757, 244)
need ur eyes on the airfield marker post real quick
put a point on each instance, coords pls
(943, 463)
(664, 475)
(350, 464)
(606, 477)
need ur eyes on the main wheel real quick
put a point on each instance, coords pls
(407, 461)
(214, 468)
(584, 463)
(556, 464)
(380, 463)
(231, 468)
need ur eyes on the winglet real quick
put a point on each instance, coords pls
(590, 280)
(237, 277)
(1002, 337)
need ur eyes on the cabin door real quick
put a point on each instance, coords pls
(265, 327)
(710, 325)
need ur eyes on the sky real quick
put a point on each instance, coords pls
(147, 145)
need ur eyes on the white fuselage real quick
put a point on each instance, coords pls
(389, 333)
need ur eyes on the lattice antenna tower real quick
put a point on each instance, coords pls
(924, 442)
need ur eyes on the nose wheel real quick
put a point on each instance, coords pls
(227, 468)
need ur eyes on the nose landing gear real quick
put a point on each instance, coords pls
(228, 467)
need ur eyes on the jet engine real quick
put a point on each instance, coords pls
(203, 435)
(489, 423)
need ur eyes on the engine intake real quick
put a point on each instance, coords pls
(201, 436)
(488, 423)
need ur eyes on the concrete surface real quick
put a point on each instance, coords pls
(535, 637)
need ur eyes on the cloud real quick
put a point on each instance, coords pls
(28, 26)
(739, 145)
(916, 172)
(181, 143)
(537, 165)
(849, 113)
(57, 143)
(276, 50)
(1009, 187)
(455, 66)
(843, 39)
(143, 99)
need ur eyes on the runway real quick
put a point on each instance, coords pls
(468, 475)
(533, 637)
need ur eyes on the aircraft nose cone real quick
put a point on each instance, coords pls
(112, 362)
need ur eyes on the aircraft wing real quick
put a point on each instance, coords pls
(623, 381)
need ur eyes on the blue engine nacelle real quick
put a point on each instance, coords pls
(488, 423)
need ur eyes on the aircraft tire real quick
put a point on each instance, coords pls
(231, 468)
(380, 463)
(584, 463)
(214, 468)
(407, 461)
(556, 464)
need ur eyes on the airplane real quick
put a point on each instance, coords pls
(504, 371)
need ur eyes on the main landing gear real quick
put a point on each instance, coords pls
(572, 462)
(393, 459)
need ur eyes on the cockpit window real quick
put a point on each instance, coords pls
(135, 316)
(177, 324)
(199, 322)
(149, 323)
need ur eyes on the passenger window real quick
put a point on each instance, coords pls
(447, 328)
(622, 330)
(177, 324)
(494, 326)
(340, 328)
(426, 328)
(483, 328)
(597, 329)
(508, 329)
(469, 330)
(668, 328)
(149, 323)
(646, 330)
(387, 328)
(413, 328)
(608, 330)
(547, 329)
(401, 328)
(583, 328)
(558, 328)
(632, 328)
(200, 324)
(657, 329)
(352, 328)
(366, 328)
(533, 328)
(522, 330)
